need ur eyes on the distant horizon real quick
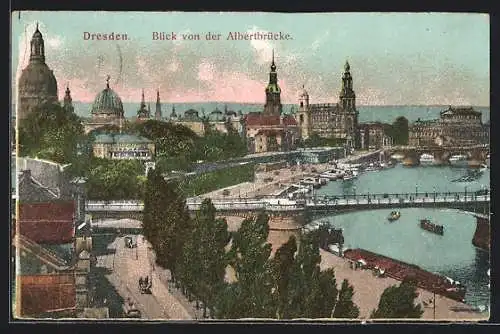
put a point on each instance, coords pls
(395, 58)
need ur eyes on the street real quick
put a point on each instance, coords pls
(124, 266)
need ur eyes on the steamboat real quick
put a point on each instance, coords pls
(427, 225)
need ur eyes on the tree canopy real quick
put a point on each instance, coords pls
(398, 302)
(51, 132)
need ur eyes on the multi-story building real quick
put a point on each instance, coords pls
(373, 136)
(271, 130)
(52, 264)
(457, 126)
(123, 146)
(331, 120)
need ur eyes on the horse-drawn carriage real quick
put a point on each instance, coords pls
(145, 284)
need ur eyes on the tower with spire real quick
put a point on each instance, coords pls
(158, 115)
(37, 84)
(347, 96)
(273, 105)
(143, 112)
(68, 101)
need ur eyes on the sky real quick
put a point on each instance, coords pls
(395, 58)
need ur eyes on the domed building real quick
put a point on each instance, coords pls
(37, 84)
(107, 109)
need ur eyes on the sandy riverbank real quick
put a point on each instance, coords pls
(368, 289)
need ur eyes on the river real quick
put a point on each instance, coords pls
(452, 254)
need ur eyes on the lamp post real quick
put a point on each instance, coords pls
(465, 193)
(416, 190)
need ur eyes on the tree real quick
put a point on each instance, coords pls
(51, 132)
(399, 302)
(166, 220)
(345, 307)
(400, 131)
(210, 255)
(250, 258)
(283, 264)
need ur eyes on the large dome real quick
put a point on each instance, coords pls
(38, 79)
(107, 102)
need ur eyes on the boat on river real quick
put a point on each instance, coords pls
(315, 182)
(331, 175)
(427, 225)
(349, 175)
(395, 215)
(427, 159)
(459, 160)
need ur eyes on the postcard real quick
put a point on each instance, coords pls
(267, 166)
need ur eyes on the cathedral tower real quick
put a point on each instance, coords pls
(347, 101)
(158, 115)
(37, 84)
(347, 96)
(273, 105)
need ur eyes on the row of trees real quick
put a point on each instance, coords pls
(289, 285)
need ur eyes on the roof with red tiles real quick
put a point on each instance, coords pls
(47, 222)
(259, 119)
(47, 293)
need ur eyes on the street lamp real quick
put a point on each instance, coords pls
(416, 190)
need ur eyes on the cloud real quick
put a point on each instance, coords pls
(263, 49)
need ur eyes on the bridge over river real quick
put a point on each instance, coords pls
(316, 205)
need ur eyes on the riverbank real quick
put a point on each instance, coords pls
(368, 289)
(271, 182)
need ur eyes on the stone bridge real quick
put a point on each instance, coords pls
(443, 153)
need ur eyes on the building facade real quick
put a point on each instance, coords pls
(123, 147)
(372, 136)
(270, 130)
(456, 126)
(50, 282)
(37, 84)
(331, 120)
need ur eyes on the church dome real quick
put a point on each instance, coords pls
(38, 79)
(107, 102)
(37, 83)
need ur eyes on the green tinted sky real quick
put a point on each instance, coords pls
(396, 58)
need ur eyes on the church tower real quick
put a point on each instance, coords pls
(348, 109)
(37, 84)
(142, 112)
(303, 116)
(68, 101)
(158, 115)
(347, 96)
(273, 105)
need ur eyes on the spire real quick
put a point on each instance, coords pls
(346, 66)
(37, 52)
(107, 81)
(273, 65)
(158, 115)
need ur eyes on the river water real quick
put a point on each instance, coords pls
(452, 254)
